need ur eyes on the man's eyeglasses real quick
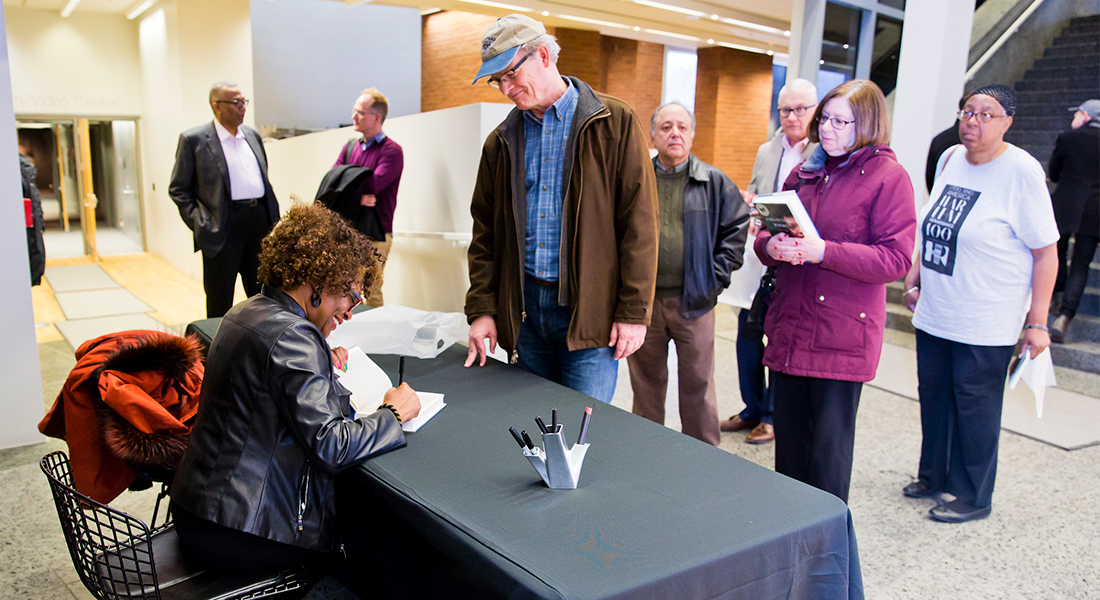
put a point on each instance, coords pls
(983, 117)
(837, 123)
(494, 82)
(238, 102)
(798, 111)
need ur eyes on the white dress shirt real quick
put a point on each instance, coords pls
(792, 155)
(245, 181)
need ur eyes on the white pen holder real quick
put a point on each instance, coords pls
(558, 467)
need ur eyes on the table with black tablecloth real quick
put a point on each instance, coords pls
(656, 515)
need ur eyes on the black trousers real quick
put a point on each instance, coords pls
(961, 390)
(1072, 280)
(230, 548)
(241, 254)
(815, 429)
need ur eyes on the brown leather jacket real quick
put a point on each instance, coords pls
(608, 258)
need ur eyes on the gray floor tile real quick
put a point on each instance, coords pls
(100, 303)
(78, 332)
(74, 278)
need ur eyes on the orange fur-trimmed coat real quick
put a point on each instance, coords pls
(127, 404)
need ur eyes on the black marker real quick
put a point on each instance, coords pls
(584, 425)
(542, 426)
(554, 420)
(519, 440)
(401, 371)
(527, 440)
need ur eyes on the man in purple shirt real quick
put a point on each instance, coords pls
(384, 156)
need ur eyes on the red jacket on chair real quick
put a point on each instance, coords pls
(128, 401)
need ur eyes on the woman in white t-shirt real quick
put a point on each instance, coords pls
(986, 264)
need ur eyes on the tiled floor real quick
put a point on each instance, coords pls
(1040, 541)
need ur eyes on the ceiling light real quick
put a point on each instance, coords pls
(751, 25)
(669, 7)
(545, 13)
(714, 17)
(740, 47)
(678, 36)
(845, 46)
(770, 53)
(710, 41)
(138, 8)
(636, 28)
(498, 5)
(821, 62)
(590, 21)
(68, 10)
(430, 11)
(787, 33)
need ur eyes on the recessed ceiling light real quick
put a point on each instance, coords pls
(68, 10)
(593, 21)
(498, 5)
(669, 7)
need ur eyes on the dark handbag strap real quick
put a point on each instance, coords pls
(347, 150)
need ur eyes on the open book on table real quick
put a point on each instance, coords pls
(368, 385)
(783, 212)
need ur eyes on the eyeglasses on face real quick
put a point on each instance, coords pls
(238, 102)
(356, 299)
(983, 117)
(837, 123)
(798, 111)
(494, 82)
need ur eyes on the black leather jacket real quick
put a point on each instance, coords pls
(273, 427)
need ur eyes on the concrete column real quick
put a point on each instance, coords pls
(21, 400)
(807, 27)
(935, 43)
(733, 94)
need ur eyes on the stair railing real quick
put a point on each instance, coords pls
(978, 64)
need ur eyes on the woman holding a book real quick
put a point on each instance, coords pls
(255, 487)
(985, 271)
(828, 311)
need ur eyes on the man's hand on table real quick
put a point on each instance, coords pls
(483, 327)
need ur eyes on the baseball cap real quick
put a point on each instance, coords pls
(1089, 107)
(500, 44)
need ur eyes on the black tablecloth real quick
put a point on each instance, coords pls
(657, 514)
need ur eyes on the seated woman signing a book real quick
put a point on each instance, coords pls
(255, 487)
(828, 310)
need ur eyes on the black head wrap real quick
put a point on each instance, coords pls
(1001, 93)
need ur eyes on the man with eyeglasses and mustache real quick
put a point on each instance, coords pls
(221, 188)
(563, 259)
(774, 161)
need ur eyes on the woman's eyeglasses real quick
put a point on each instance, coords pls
(983, 117)
(837, 123)
(356, 299)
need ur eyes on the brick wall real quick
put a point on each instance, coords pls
(580, 53)
(732, 99)
(633, 71)
(450, 57)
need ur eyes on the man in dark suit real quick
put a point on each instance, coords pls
(1075, 167)
(220, 185)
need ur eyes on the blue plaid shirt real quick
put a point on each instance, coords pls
(544, 157)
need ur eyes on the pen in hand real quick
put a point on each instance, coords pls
(401, 371)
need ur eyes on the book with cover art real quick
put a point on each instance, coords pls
(783, 212)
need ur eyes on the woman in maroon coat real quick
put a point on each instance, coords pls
(828, 310)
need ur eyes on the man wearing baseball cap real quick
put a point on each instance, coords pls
(1075, 167)
(563, 260)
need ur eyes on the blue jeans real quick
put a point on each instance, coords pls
(543, 350)
(756, 395)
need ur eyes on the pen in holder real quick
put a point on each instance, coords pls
(558, 467)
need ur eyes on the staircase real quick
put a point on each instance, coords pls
(1067, 74)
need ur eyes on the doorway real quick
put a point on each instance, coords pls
(89, 182)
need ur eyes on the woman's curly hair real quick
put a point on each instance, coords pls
(311, 244)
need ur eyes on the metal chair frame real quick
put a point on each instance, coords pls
(113, 551)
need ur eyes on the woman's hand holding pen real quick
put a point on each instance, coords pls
(405, 400)
(796, 250)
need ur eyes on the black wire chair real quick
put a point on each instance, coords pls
(117, 557)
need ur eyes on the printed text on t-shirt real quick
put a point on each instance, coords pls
(940, 229)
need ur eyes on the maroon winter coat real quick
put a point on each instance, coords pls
(826, 319)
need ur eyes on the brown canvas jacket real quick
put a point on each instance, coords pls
(608, 258)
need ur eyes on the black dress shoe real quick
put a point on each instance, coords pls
(918, 489)
(957, 512)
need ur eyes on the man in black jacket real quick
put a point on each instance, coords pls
(220, 186)
(1075, 167)
(703, 222)
(36, 247)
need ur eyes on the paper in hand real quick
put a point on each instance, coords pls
(1037, 373)
(368, 385)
